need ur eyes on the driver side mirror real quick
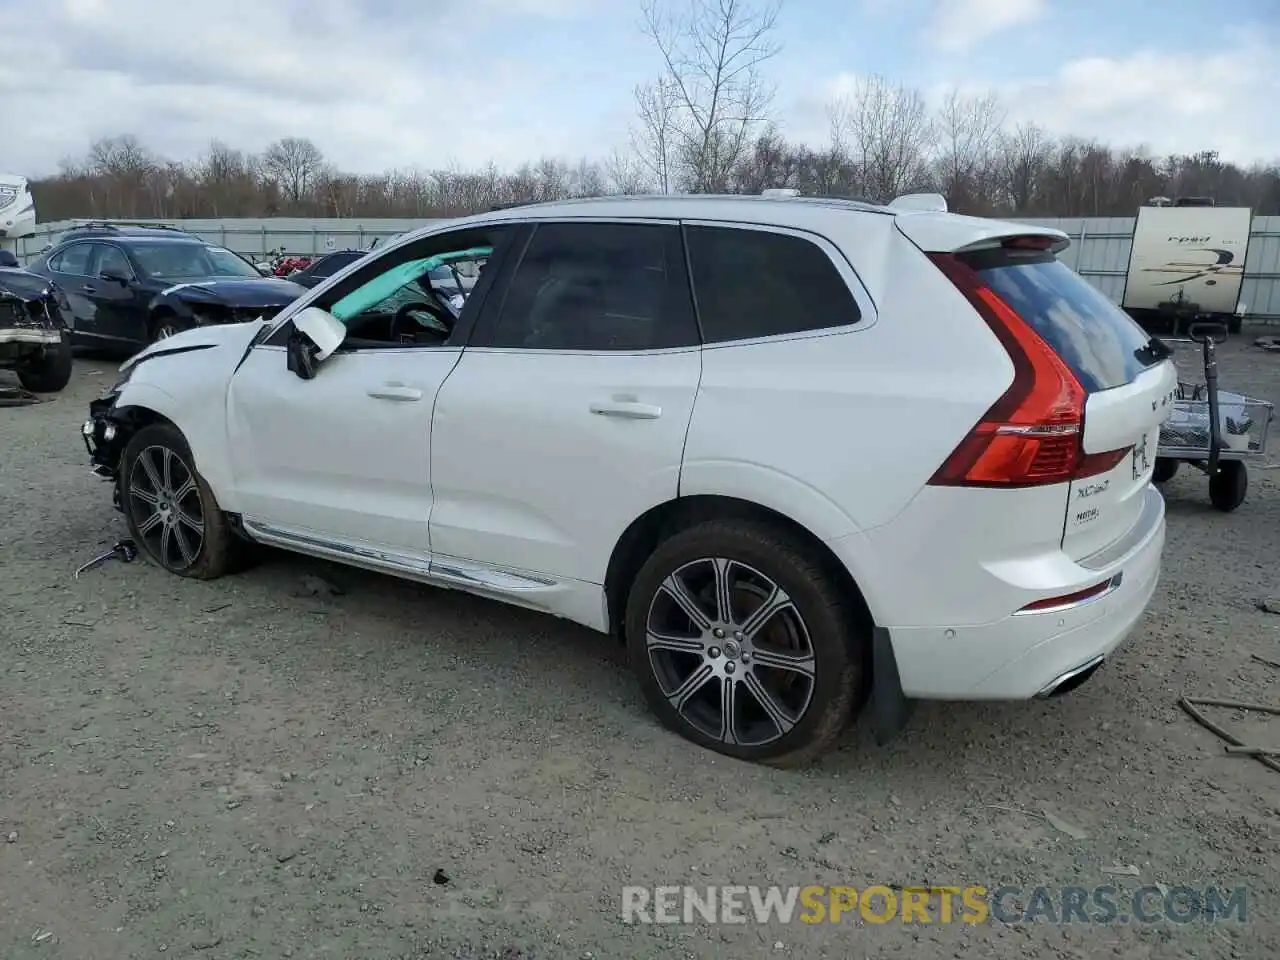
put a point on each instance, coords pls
(316, 335)
(114, 275)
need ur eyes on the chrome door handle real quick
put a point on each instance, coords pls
(627, 410)
(395, 391)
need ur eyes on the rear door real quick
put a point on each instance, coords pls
(1128, 378)
(71, 268)
(566, 416)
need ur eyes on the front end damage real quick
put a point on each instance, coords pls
(105, 434)
(30, 322)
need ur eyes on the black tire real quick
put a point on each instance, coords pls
(1235, 324)
(1164, 471)
(837, 649)
(163, 325)
(1227, 487)
(51, 372)
(170, 543)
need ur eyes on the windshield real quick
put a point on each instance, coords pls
(191, 261)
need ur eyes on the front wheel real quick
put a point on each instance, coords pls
(171, 512)
(744, 643)
(1228, 486)
(51, 371)
(164, 326)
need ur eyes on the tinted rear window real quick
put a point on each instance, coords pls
(1101, 344)
(758, 283)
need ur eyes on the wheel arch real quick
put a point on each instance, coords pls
(201, 423)
(657, 524)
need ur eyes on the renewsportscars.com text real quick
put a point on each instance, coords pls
(970, 904)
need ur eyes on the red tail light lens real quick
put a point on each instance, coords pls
(1032, 434)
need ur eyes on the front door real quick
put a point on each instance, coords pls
(344, 457)
(565, 418)
(119, 304)
(343, 460)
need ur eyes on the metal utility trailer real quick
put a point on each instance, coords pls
(1215, 431)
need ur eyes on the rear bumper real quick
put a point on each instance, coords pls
(1024, 655)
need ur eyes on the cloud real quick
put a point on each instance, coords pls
(957, 25)
(1214, 99)
(377, 84)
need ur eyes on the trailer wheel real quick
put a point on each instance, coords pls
(1164, 470)
(1227, 487)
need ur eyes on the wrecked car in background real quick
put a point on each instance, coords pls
(134, 286)
(34, 341)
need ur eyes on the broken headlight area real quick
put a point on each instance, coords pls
(105, 434)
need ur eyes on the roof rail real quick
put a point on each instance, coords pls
(115, 224)
(922, 202)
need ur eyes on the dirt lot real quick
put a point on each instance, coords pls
(243, 769)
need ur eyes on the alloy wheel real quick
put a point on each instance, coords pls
(164, 499)
(165, 331)
(730, 651)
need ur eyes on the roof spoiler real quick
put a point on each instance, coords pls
(920, 203)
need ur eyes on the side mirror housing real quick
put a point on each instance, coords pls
(316, 335)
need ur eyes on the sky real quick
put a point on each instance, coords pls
(425, 84)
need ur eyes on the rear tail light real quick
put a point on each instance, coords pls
(1033, 434)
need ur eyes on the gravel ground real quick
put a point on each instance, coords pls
(246, 769)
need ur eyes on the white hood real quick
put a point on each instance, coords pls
(235, 336)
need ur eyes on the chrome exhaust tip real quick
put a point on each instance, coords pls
(1066, 682)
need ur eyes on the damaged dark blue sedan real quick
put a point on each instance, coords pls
(126, 288)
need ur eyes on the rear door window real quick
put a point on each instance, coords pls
(753, 283)
(1103, 345)
(74, 260)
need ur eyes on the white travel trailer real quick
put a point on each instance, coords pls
(17, 209)
(1187, 263)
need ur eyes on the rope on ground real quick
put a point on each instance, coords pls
(1192, 704)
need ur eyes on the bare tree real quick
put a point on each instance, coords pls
(889, 131)
(712, 55)
(879, 147)
(1025, 152)
(655, 140)
(968, 131)
(294, 163)
(626, 173)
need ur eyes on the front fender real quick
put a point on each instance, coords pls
(190, 392)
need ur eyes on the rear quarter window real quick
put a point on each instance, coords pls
(1103, 345)
(752, 283)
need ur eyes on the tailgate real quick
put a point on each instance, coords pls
(1105, 507)
(1126, 375)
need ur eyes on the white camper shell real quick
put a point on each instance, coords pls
(1187, 263)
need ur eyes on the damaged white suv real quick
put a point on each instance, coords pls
(801, 454)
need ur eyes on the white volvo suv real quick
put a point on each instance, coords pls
(802, 455)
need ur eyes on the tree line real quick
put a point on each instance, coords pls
(704, 124)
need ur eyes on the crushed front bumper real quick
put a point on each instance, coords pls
(104, 439)
(38, 336)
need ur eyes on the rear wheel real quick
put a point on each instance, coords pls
(1227, 487)
(1164, 471)
(171, 512)
(51, 371)
(743, 643)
